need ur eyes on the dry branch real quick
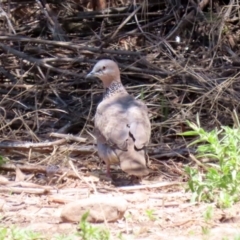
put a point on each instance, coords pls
(44, 63)
(68, 137)
(37, 169)
(27, 145)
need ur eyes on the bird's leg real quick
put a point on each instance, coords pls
(108, 174)
(135, 179)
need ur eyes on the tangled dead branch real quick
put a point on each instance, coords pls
(181, 59)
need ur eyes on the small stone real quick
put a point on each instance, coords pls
(136, 197)
(100, 208)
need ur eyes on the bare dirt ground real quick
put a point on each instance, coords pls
(156, 208)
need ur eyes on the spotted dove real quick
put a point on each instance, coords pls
(122, 126)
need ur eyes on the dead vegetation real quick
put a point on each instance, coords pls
(180, 57)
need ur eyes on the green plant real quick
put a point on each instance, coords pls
(90, 232)
(3, 233)
(219, 181)
(14, 233)
(25, 234)
(2, 160)
(205, 230)
(191, 233)
(142, 94)
(237, 237)
(164, 108)
(208, 214)
(150, 213)
(120, 236)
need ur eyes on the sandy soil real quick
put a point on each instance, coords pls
(156, 210)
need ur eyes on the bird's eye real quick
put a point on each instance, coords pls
(103, 68)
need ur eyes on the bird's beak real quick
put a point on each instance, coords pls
(90, 75)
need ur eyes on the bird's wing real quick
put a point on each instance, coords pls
(140, 127)
(118, 119)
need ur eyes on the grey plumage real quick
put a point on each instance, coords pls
(122, 126)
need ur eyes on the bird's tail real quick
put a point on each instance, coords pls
(133, 161)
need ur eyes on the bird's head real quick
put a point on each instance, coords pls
(107, 71)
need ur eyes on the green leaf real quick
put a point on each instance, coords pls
(219, 181)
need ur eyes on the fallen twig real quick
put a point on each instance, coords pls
(150, 186)
(68, 137)
(28, 145)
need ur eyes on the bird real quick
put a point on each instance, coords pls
(121, 124)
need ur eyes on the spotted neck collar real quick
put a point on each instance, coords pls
(115, 87)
